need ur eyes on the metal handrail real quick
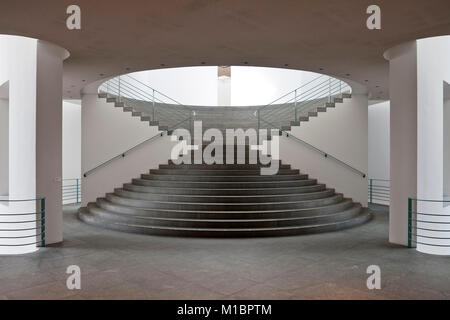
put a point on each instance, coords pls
(40, 221)
(123, 154)
(290, 92)
(324, 153)
(305, 104)
(413, 220)
(378, 191)
(312, 94)
(146, 85)
(118, 86)
(174, 117)
(300, 102)
(71, 192)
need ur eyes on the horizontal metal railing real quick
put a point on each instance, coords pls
(429, 223)
(142, 98)
(71, 191)
(317, 92)
(22, 223)
(379, 191)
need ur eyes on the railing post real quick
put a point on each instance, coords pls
(43, 222)
(190, 124)
(119, 89)
(329, 89)
(409, 223)
(153, 105)
(370, 191)
(340, 86)
(77, 192)
(295, 106)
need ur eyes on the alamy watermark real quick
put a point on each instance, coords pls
(374, 20)
(248, 150)
(73, 22)
(374, 280)
(74, 280)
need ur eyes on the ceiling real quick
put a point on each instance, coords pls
(328, 36)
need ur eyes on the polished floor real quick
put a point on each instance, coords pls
(323, 266)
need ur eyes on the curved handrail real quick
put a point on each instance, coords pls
(146, 85)
(290, 92)
(37, 224)
(323, 91)
(123, 154)
(130, 90)
(415, 217)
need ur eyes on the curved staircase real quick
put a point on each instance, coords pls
(224, 200)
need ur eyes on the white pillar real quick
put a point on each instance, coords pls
(49, 135)
(224, 86)
(433, 72)
(4, 144)
(419, 73)
(33, 70)
(403, 127)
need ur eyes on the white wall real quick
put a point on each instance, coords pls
(18, 66)
(447, 147)
(433, 70)
(71, 139)
(418, 72)
(107, 132)
(341, 132)
(48, 139)
(249, 85)
(403, 137)
(379, 141)
(4, 147)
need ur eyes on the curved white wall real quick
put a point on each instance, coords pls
(418, 73)
(433, 71)
(33, 69)
(249, 85)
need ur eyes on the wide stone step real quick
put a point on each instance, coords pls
(223, 198)
(228, 223)
(217, 172)
(237, 191)
(171, 165)
(227, 178)
(363, 217)
(223, 206)
(225, 184)
(221, 214)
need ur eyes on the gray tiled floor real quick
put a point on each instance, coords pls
(126, 266)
